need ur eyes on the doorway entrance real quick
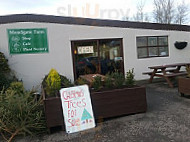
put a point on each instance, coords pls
(100, 56)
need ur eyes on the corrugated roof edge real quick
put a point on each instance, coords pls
(89, 22)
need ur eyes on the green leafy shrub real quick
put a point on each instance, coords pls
(97, 83)
(4, 67)
(188, 71)
(118, 79)
(4, 81)
(80, 81)
(130, 78)
(53, 83)
(6, 76)
(65, 82)
(17, 87)
(108, 81)
(20, 113)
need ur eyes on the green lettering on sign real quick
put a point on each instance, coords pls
(23, 41)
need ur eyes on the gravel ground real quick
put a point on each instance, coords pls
(166, 120)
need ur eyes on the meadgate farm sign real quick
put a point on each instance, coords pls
(22, 41)
(77, 108)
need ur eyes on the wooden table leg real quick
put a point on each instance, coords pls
(167, 79)
(152, 75)
(178, 69)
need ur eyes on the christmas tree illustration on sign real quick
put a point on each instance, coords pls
(86, 117)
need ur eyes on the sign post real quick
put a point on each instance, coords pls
(77, 108)
(26, 41)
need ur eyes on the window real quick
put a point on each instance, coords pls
(152, 46)
(97, 56)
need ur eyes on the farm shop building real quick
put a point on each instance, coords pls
(34, 44)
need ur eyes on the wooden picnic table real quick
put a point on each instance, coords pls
(167, 71)
(90, 78)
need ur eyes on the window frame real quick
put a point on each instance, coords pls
(147, 46)
(98, 46)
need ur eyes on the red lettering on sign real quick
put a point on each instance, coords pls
(83, 101)
(72, 113)
(76, 103)
(68, 104)
(74, 122)
(73, 94)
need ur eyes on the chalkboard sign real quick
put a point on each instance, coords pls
(26, 41)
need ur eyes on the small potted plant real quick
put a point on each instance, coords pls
(51, 85)
(184, 83)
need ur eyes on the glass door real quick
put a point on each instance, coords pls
(86, 57)
(97, 56)
(111, 55)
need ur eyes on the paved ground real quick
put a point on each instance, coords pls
(167, 120)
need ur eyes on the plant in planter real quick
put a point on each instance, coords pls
(80, 81)
(122, 98)
(184, 83)
(188, 71)
(130, 78)
(116, 100)
(51, 85)
(118, 79)
(108, 82)
(97, 83)
(65, 82)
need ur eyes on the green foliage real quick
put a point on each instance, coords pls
(65, 82)
(97, 83)
(53, 83)
(130, 78)
(4, 81)
(188, 71)
(118, 79)
(108, 81)
(6, 77)
(4, 67)
(20, 113)
(17, 87)
(80, 81)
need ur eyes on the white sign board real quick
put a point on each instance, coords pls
(77, 108)
(85, 49)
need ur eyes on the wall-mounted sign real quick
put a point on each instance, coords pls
(77, 108)
(23, 41)
(85, 49)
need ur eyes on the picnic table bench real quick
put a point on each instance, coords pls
(167, 71)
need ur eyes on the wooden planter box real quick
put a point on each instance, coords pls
(119, 102)
(184, 86)
(105, 104)
(53, 111)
